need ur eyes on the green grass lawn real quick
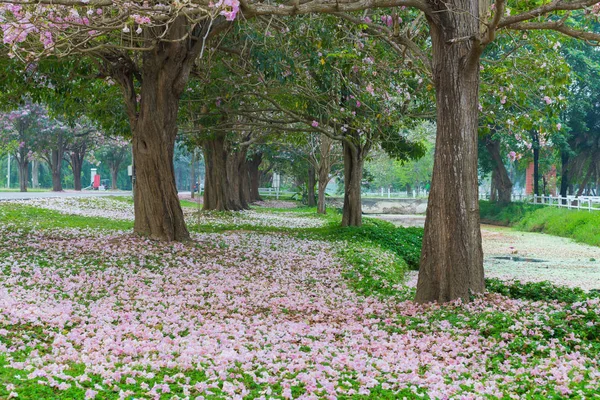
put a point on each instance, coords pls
(28, 189)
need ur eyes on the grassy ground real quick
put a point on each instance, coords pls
(28, 189)
(581, 226)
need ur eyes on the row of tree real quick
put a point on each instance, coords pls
(32, 136)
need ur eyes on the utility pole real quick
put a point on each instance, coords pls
(8, 176)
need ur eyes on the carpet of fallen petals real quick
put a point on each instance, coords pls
(249, 315)
(106, 207)
(276, 204)
(255, 218)
(119, 209)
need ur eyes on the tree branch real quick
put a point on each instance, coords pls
(327, 6)
(558, 26)
(555, 5)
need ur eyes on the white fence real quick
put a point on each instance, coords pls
(590, 203)
(381, 194)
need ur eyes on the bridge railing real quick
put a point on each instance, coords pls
(380, 194)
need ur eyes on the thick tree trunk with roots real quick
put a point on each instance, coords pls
(252, 166)
(500, 177)
(163, 75)
(452, 257)
(310, 186)
(353, 171)
(158, 213)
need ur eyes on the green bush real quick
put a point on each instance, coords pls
(539, 291)
(505, 214)
(404, 242)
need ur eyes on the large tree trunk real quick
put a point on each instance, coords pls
(353, 171)
(215, 181)
(501, 179)
(310, 185)
(452, 257)
(158, 212)
(252, 165)
(165, 73)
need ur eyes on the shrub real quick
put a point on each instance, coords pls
(404, 242)
(539, 291)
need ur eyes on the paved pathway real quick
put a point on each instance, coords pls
(45, 195)
(530, 257)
